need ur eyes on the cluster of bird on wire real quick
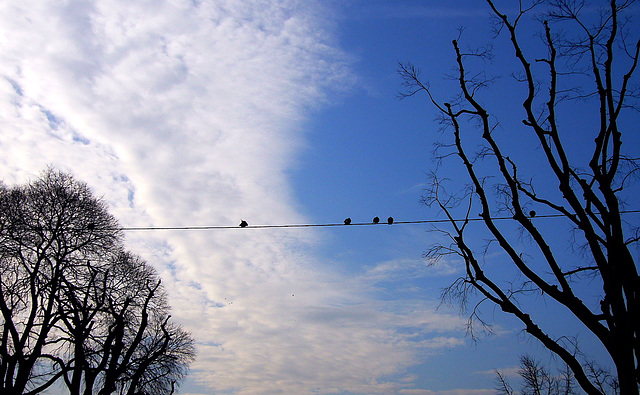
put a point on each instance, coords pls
(376, 220)
(347, 221)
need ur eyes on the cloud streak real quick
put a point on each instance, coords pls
(190, 113)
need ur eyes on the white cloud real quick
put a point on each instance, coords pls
(189, 113)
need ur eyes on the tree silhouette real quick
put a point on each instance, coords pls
(75, 307)
(538, 380)
(583, 70)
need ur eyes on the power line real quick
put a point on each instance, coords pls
(426, 221)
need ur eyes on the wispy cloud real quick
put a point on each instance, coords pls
(189, 113)
(510, 372)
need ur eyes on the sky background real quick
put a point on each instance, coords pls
(198, 113)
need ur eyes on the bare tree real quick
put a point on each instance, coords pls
(584, 68)
(75, 306)
(502, 384)
(537, 380)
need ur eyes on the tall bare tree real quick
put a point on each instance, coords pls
(583, 67)
(75, 307)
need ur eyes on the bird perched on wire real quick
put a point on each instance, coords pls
(376, 220)
(390, 220)
(532, 213)
(243, 224)
(347, 221)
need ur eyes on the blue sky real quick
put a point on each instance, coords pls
(187, 113)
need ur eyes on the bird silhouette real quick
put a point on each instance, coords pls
(376, 220)
(243, 224)
(347, 221)
(390, 220)
(532, 213)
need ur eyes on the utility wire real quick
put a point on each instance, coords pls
(426, 221)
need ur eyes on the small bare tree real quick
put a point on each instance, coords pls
(537, 380)
(75, 307)
(583, 69)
